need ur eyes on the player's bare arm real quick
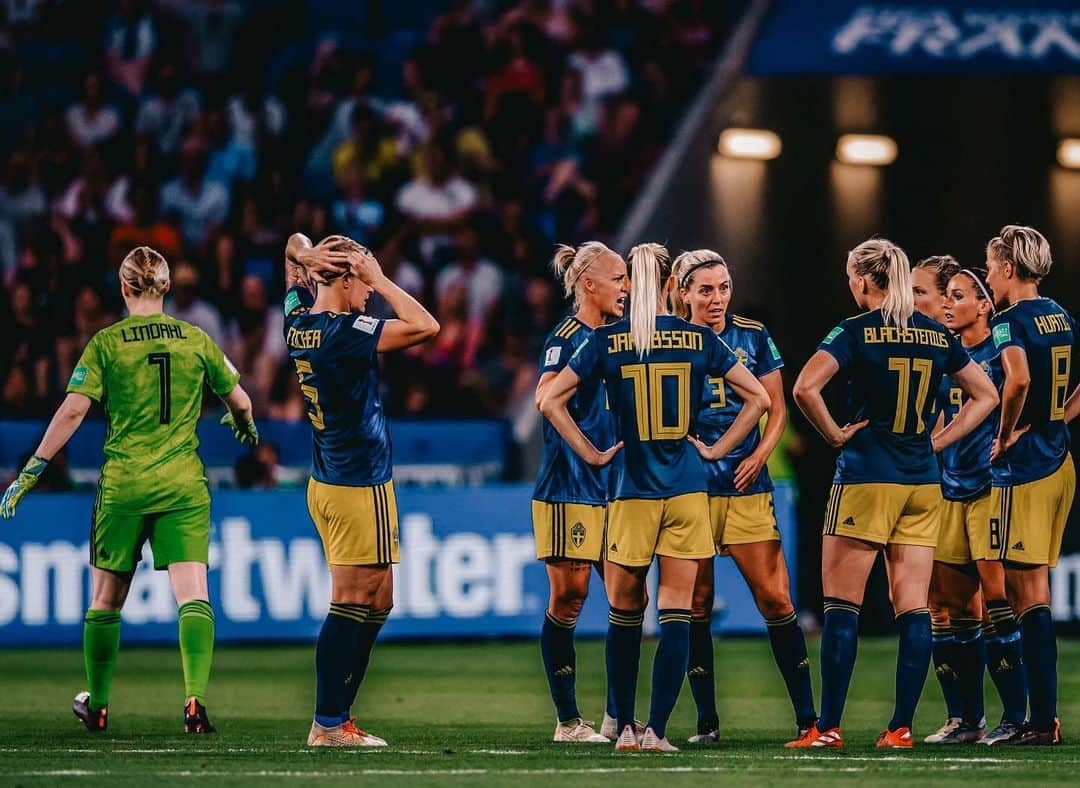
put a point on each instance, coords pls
(413, 325)
(819, 370)
(755, 402)
(553, 405)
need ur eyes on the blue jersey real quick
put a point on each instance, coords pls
(335, 359)
(1045, 332)
(563, 476)
(655, 401)
(965, 466)
(891, 377)
(755, 349)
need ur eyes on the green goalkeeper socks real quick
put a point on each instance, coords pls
(101, 644)
(196, 647)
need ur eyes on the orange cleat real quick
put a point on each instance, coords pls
(899, 739)
(815, 738)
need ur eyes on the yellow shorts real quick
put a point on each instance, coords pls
(742, 519)
(640, 528)
(885, 513)
(965, 530)
(1027, 521)
(358, 525)
(568, 530)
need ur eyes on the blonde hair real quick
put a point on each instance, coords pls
(686, 265)
(341, 243)
(888, 268)
(650, 265)
(1024, 247)
(145, 272)
(569, 264)
(943, 266)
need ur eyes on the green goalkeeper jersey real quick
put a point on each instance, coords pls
(149, 370)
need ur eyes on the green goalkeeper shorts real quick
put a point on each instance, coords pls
(117, 538)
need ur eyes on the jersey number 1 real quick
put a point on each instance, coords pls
(164, 364)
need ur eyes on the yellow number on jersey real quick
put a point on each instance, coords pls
(648, 380)
(904, 368)
(717, 391)
(311, 394)
(1060, 360)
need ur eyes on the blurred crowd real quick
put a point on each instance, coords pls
(457, 139)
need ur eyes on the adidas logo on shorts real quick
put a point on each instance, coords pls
(1018, 546)
(849, 521)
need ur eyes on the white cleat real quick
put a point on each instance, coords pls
(609, 728)
(709, 737)
(628, 741)
(650, 742)
(578, 731)
(945, 731)
(344, 735)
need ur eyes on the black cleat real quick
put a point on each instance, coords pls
(1030, 737)
(195, 719)
(95, 720)
(1005, 733)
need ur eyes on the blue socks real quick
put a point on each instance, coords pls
(1004, 661)
(560, 664)
(1040, 657)
(369, 631)
(970, 656)
(700, 671)
(839, 645)
(334, 653)
(789, 651)
(669, 666)
(623, 654)
(912, 662)
(944, 655)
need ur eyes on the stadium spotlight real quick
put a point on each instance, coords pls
(875, 149)
(749, 144)
(1068, 153)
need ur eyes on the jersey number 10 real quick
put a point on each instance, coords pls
(648, 382)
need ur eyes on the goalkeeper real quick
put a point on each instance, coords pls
(148, 369)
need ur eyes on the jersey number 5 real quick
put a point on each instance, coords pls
(311, 394)
(648, 382)
(904, 367)
(164, 364)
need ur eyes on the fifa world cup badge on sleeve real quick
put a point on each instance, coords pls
(830, 336)
(1002, 334)
(774, 350)
(292, 301)
(78, 377)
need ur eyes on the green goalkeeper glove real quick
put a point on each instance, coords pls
(244, 431)
(23, 484)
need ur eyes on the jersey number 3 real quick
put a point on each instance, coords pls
(648, 382)
(311, 394)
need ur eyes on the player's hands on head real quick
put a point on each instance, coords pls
(364, 266)
(846, 433)
(324, 261)
(23, 484)
(244, 430)
(602, 458)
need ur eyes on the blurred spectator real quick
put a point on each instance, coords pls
(144, 229)
(603, 71)
(198, 204)
(369, 147)
(258, 469)
(25, 353)
(22, 203)
(212, 29)
(167, 116)
(130, 45)
(355, 214)
(253, 115)
(230, 161)
(90, 121)
(184, 303)
(438, 200)
(405, 273)
(89, 315)
(480, 278)
(254, 340)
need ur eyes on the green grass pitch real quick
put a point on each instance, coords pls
(471, 714)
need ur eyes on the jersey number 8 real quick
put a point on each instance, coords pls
(648, 380)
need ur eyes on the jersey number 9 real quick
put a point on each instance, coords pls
(311, 394)
(648, 380)
(904, 368)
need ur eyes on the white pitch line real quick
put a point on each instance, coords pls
(912, 759)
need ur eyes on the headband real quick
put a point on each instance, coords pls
(982, 288)
(696, 266)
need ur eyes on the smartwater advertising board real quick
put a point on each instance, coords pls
(468, 570)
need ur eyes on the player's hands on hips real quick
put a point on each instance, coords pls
(704, 449)
(846, 433)
(748, 471)
(23, 484)
(602, 458)
(999, 447)
(244, 430)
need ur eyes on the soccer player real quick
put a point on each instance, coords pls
(350, 495)
(570, 497)
(886, 493)
(1033, 479)
(148, 369)
(654, 367)
(740, 494)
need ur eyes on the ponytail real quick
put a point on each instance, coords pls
(145, 272)
(887, 266)
(650, 264)
(569, 264)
